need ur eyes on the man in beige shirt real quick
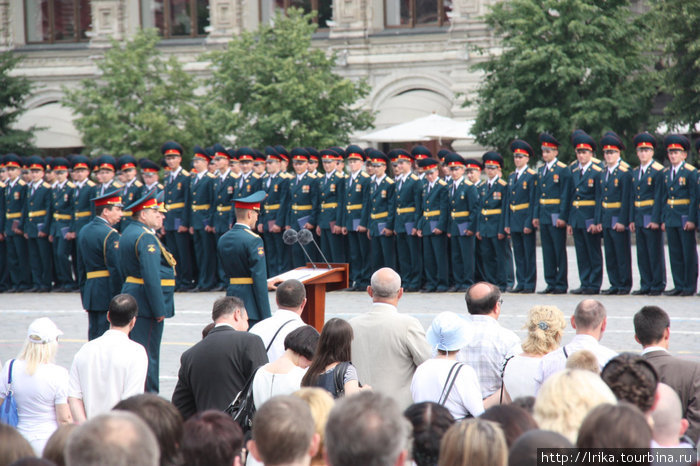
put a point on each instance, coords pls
(388, 346)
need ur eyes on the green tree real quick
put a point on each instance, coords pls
(676, 27)
(271, 87)
(14, 90)
(566, 64)
(139, 101)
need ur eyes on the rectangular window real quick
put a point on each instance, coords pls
(412, 13)
(324, 8)
(49, 21)
(176, 18)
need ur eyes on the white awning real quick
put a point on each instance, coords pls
(422, 129)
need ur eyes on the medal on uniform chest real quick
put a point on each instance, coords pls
(497, 196)
(305, 189)
(591, 182)
(65, 197)
(555, 178)
(358, 188)
(616, 182)
(275, 188)
(16, 195)
(681, 181)
(383, 194)
(524, 184)
(179, 186)
(230, 189)
(247, 188)
(332, 188)
(649, 181)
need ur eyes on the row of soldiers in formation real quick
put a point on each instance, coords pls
(436, 220)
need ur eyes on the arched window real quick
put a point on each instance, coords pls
(412, 13)
(323, 7)
(49, 21)
(176, 18)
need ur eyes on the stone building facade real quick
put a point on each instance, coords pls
(416, 54)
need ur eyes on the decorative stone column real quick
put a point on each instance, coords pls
(6, 29)
(108, 21)
(351, 18)
(225, 19)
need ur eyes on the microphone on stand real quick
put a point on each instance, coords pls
(290, 237)
(305, 237)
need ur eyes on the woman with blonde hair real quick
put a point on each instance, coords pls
(321, 402)
(473, 442)
(565, 399)
(40, 387)
(545, 327)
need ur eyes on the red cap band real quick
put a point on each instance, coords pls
(585, 146)
(247, 205)
(108, 201)
(645, 144)
(521, 151)
(675, 146)
(172, 152)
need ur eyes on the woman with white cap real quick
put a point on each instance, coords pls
(443, 379)
(40, 387)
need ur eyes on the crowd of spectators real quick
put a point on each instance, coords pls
(375, 391)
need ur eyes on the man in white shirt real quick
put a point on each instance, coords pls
(388, 346)
(489, 344)
(291, 298)
(590, 321)
(110, 368)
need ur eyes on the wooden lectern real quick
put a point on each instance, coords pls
(317, 281)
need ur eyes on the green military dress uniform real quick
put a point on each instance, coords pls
(647, 205)
(82, 207)
(177, 198)
(149, 271)
(202, 216)
(491, 223)
(303, 209)
(99, 274)
(62, 208)
(242, 254)
(4, 272)
(331, 189)
(382, 211)
(132, 192)
(37, 219)
(410, 258)
(435, 214)
(273, 213)
(15, 195)
(355, 215)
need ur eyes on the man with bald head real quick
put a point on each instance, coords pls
(669, 425)
(388, 346)
(589, 321)
(490, 344)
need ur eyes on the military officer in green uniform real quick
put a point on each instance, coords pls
(645, 219)
(99, 274)
(518, 222)
(432, 227)
(149, 271)
(586, 181)
(105, 167)
(242, 254)
(149, 173)
(491, 221)
(680, 216)
(355, 218)
(382, 211)
(202, 220)
(15, 196)
(614, 215)
(4, 272)
(552, 214)
(37, 224)
(249, 182)
(133, 187)
(408, 190)
(303, 200)
(331, 187)
(273, 212)
(464, 206)
(82, 194)
(62, 208)
(177, 217)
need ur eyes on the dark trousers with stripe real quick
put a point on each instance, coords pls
(493, 256)
(553, 241)
(436, 271)
(462, 253)
(61, 257)
(383, 252)
(20, 275)
(410, 260)
(589, 258)
(332, 246)
(650, 259)
(683, 255)
(97, 324)
(524, 249)
(359, 258)
(40, 262)
(148, 332)
(205, 255)
(179, 246)
(618, 259)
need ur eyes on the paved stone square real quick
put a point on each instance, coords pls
(193, 312)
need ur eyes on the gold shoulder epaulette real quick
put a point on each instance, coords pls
(531, 171)
(211, 175)
(595, 160)
(596, 168)
(414, 177)
(389, 180)
(665, 169)
(2, 185)
(256, 176)
(185, 172)
(117, 184)
(468, 183)
(251, 232)
(21, 182)
(138, 184)
(48, 186)
(575, 168)
(623, 168)
(90, 183)
(502, 182)
(160, 186)
(235, 176)
(364, 174)
(561, 164)
(442, 182)
(690, 167)
(657, 166)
